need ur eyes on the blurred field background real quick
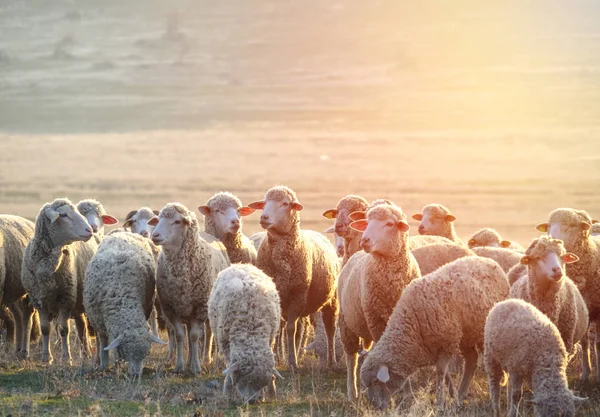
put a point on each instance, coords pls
(490, 108)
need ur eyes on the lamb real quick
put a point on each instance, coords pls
(118, 296)
(223, 214)
(573, 228)
(341, 214)
(490, 237)
(302, 263)
(244, 316)
(15, 233)
(53, 271)
(137, 221)
(522, 341)
(187, 268)
(436, 219)
(506, 258)
(554, 294)
(432, 257)
(437, 316)
(372, 281)
(96, 216)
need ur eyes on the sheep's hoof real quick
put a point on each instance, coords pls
(179, 368)
(195, 369)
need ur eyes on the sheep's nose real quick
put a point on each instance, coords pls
(364, 240)
(556, 270)
(95, 228)
(145, 233)
(264, 217)
(421, 229)
(155, 235)
(235, 222)
(89, 230)
(339, 227)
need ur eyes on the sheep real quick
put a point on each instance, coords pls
(522, 341)
(341, 212)
(223, 214)
(118, 296)
(372, 281)
(257, 239)
(516, 272)
(506, 258)
(15, 233)
(137, 221)
(436, 316)
(554, 294)
(490, 237)
(573, 228)
(338, 242)
(595, 229)
(187, 268)
(432, 257)
(244, 313)
(302, 263)
(53, 270)
(96, 216)
(436, 219)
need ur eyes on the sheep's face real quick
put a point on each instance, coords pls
(169, 231)
(250, 379)
(551, 264)
(97, 221)
(382, 236)
(381, 383)
(134, 350)
(68, 224)
(138, 222)
(226, 220)
(558, 405)
(279, 215)
(433, 222)
(570, 226)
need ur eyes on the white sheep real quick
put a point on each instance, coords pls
(187, 268)
(137, 221)
(436, 220)
(96, 216)
(302, 263)
(506, 258)
(118, 297)
(490, 237)
(372, 281)
(338, 242)
(522, 341)
(437, 316)
(53, 271)
(595, 230)
(244, 316)
(554, 294)
(434, 256)
(223, 214)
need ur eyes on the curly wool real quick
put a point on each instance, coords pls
(485, 237)
(431, 257)
(446, 229)
(345, 207)
(506, 258)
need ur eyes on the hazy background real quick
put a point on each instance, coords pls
(489, 107)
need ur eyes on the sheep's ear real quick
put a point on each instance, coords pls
(569, 258)
(595, 221)
(359, 225)
(156, 339)
(505, 243)
(115, 343)
(542, 227)
(156, 212)
(232, 368)
(330, 214)
(277, 374)
(153, 221)
(52, 215)
(257, 205)
(525, 260)
(402, 226)
(449, 218)
(330, 230)
(357, 215)
(472, 242)
(383, 375)
(131, 214)
(585, 226)
(108, 219)
(579, 400)
(297, 206)
(246, 211)
(204, 210)
(127, 223)
(417, 217)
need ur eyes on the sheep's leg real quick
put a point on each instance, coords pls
(301, 331)
(228, 386)
(179, 337)
(27, 323)
(515, 387)
(351, 343)
(18, 316)
(441, 371)
(195, 329)
(81, 325)
(102, 342)
(280, 342)
(585, 357)
(448, 382)
(272, 390)
(63, 321)
(172, 342)
(597, 324)
(208, 344)
(495, 375)
(45, 328)
(329, 315)
(291, 341)
(470, 357)
(154, 321)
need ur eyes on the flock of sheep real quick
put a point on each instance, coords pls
(392, 301)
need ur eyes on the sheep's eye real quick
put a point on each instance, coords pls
(63, 215)
(285, 204)
(389, 224)
(177, 222)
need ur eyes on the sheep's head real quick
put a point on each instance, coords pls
(384, 230)
(172, 225)
(63, 222)
(548, 257)
(223, 213)
(569, 225)
(250, 378)
(95, 214)
(486, 237)
(137, 221)
(280, 210)
(435, 220)
(595, 230)
(133, 346)
(341, 214)
(556, 404)
(380, 380)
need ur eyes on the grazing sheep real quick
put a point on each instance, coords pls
(506, 258)
(490, 237)
(436, 220)
(554, 294)
(372, 281)
(341, 214)
(437, 316)
(223, 219)
(573, 228)
(187, 268)
(516, 272)
(118, 297)
(53, 271)
(137, 221)
(302, 263)
(522, 341)
(15, 233)
(432, 257)
(96, 216)
(244, 316)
